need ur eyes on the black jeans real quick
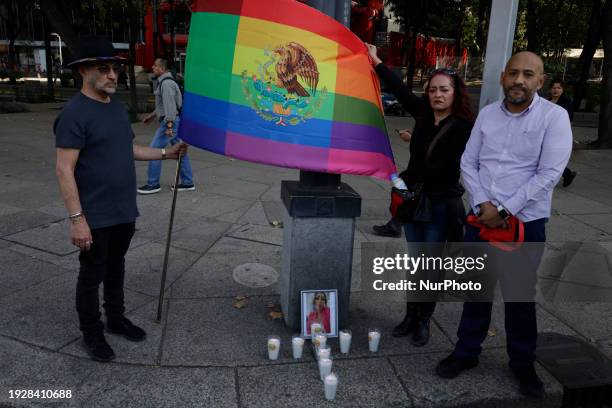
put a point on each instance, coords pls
(103, 263)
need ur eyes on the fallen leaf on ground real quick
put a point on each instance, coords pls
(241, 304)
(274, 315)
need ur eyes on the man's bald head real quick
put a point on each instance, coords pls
(527, 58)
(522, 78)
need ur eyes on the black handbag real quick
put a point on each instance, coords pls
(404, 203)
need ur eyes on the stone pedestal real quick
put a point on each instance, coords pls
(319, 227)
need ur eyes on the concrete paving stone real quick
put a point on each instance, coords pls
(211, 276)
(143, 352)
(265, 234)
(6, 209)
(374, 209)
(236, 188)
(5, 290)
(53, 237)
(201, 203)
(31, 196)
(203, 332)
(254, 215)
(595, 158)
(591, 320)
(361, 383)
(69, 262)
(600, 221)
(234, 246)
(568, 203)
(273, 193)
(132, 386)
(143, 266)
(56, 208)
(375, 310)
(491, 384)
(154, 226)
(448, 316)
(19, 271)
(233, 216)
(200, 237)
(23, 220)
(227, 173)
(366, 188)
(561, 228)
(592, 189)
(274, 210)
(45, 314)
(30, 367)
(5, 244)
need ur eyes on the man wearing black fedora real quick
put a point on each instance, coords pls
(97, 179)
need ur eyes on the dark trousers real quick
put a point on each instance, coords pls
(417, 235)
(103, 263)
(520, 317)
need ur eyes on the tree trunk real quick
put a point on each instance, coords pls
(532, 27)
(133, 18)
(57, 17)
(594, 32)
(411, 60)
(49, 63)
(481, 32)
(605, 115)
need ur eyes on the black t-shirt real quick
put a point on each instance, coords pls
(105, 172)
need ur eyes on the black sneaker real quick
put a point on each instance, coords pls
(127, 329)
(386, 231)
(184, 187)
(529, 382)
(97, 347)
(148, 189)
(453, 365)
(567, 180)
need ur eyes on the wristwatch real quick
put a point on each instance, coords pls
(503, 213)
(169, 125)
(163, 152)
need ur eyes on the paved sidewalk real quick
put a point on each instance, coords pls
(208, 353)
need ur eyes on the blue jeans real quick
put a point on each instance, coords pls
(418, 232)
(520, 317)
(160, 140)
(434, 231)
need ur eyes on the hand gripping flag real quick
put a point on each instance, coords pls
(281, 83)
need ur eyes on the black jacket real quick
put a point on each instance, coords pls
(441, 173)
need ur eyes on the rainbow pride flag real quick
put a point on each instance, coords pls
(281, 83)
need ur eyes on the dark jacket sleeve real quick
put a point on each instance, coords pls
(412, 103)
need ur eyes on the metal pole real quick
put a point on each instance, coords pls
(168, 239)
(59, 42)
(499, 48)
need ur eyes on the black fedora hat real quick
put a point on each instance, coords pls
(96, 49)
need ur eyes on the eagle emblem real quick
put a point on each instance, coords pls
(284, 89)
(295, 60)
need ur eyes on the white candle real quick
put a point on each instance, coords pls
(345, 341)
(320, 340)
(323, 352)
(325, 366)
(298, 347)
(331, 385)
(273, 347)
(373, 339)
(315, 329)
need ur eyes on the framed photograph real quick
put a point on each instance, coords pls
(320, 306)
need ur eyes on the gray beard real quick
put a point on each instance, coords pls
(516, 101)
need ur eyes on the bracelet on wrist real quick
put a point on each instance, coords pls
(77, 217)
(163, 154)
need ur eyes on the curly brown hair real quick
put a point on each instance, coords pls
(462, 106)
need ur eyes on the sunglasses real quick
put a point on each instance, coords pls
(447, 71)
(106, 68)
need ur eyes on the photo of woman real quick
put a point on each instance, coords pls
(319, 307)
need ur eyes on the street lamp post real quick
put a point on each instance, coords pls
(59, 42)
